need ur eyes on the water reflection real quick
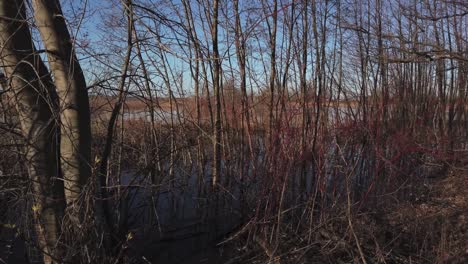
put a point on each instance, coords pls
(177, 223)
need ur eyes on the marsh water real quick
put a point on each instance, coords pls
(177, 218)
(179, 223)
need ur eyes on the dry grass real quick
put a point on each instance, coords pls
(432, 227)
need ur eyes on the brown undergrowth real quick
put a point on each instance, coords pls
(434, 224)
(429, 227)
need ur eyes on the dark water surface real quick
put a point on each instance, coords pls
(179, 223)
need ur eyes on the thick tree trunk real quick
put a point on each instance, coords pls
(75, 125)
(69, 80)
(35, 100)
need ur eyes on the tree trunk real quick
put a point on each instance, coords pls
(69, 80)
(75, 124)
(35, 100)
(216, 86)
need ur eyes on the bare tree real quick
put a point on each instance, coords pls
(217, 90)
(35, 99)
(75, 137)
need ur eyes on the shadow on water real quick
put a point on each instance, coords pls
(181, 222)
(181, 219)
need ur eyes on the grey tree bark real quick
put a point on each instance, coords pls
(35, 99)
(75, 147)
(75, 121)
(43, 112)
(217, 90)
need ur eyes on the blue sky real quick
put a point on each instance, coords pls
(93, 31)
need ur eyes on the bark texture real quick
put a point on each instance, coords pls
(70, 83)
(35, 99)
